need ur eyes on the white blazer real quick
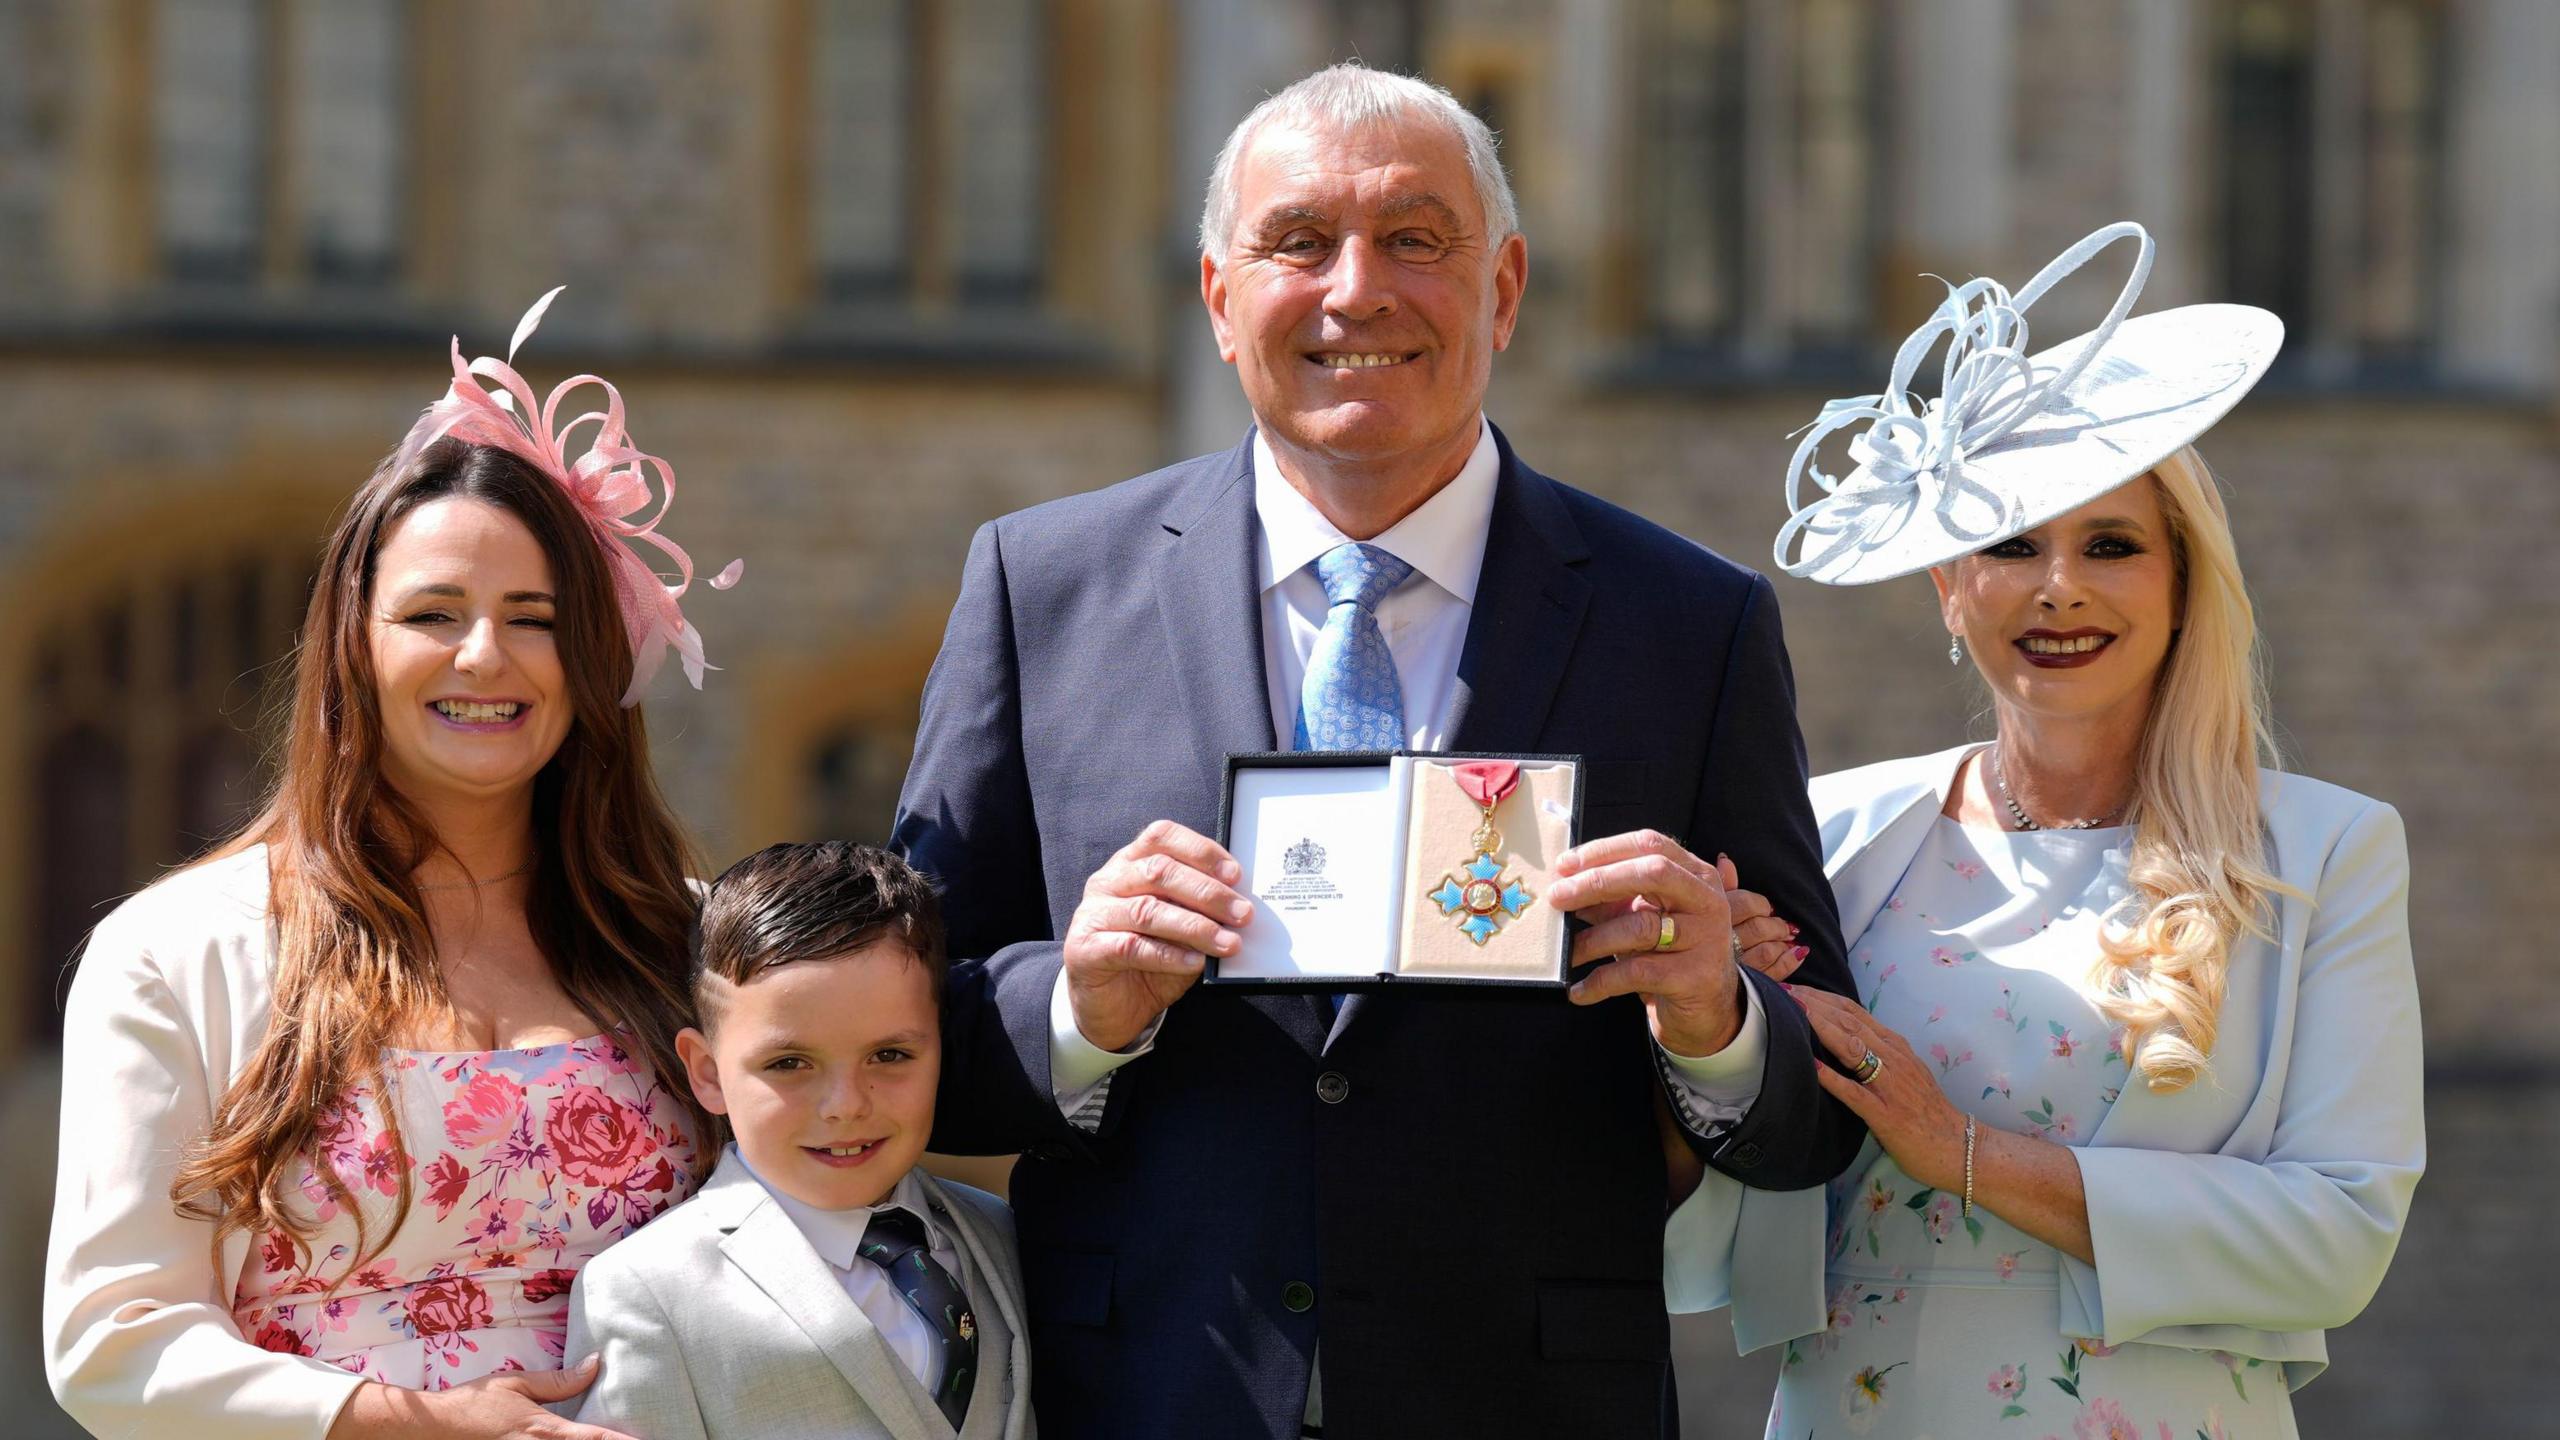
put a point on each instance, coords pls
(171, 999)
(2251, 1211)
(718, 1319)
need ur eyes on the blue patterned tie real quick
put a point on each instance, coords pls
(895, 1241)
(1351, 700)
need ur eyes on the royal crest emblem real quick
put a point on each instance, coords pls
(1304, 858)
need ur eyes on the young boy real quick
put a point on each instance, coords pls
(820, 1283)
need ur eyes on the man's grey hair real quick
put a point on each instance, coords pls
(1346, 97)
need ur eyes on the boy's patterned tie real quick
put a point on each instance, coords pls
(1351, 699)
(895, 1241)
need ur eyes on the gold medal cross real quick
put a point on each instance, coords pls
(1482, 900)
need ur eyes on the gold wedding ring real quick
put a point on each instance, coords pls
(1670, 934)
(1869, 1068)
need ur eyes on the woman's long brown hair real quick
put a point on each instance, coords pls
(355, 969)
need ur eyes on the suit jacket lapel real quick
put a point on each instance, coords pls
(1528, 612)
(771, 1252)
(1207, 594)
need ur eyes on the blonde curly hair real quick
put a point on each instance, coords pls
(2198, 868)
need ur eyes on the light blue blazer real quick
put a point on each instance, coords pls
(2249, 1212)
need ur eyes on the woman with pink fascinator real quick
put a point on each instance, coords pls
(349, 1101)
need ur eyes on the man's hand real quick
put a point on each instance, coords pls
(1148, 915)
(1624, 886)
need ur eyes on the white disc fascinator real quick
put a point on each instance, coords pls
(2014, 439)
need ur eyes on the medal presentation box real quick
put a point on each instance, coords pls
(1370, 870)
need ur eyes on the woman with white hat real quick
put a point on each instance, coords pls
(2138, 1040)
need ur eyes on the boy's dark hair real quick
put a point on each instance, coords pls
(813, 901)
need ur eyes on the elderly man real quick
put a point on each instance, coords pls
(1403, 1215)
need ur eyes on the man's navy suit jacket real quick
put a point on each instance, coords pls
(1473, 1229)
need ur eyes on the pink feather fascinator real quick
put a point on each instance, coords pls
(610, 483)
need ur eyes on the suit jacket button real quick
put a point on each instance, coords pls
(1332, 1087)
(1743, 1156)
(1298, 1297)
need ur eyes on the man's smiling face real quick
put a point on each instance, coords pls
(1359, 296)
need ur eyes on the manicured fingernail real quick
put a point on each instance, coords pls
(1799, 952)
(1793, 932)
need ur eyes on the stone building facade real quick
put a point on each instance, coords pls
(871, 272)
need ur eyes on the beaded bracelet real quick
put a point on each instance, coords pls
(1968, 1167)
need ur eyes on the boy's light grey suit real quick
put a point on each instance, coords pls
(718, 1319)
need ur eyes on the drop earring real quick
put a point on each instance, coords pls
(1955, 649)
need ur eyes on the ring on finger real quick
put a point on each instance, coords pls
(1669, 935)
(1736, 937)
(1870, 1066)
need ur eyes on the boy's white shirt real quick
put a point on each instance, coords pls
(837, 1237)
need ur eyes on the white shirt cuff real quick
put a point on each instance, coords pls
(1079, 1070)
(1712, 1093)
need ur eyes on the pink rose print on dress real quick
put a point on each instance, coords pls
(2061, 1128)
(448, 1307)
(2006, 1265)
(544, 1285)
(2065, 1044)
(275, 1252)
(485, 1111)
(446, 1180)
(1947, 1062)
(1940, 1218)
(2008, 1385)
(600, 1140)
(2104, 1420)
(1965, 869)
(315, 1193)
(276, 1337)
(2007, 1011)
(373, 1166)
(494, 1221)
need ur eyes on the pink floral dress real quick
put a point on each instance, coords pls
(1943, 1325)
(522, 1165)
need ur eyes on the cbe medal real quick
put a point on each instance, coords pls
(1477, 895)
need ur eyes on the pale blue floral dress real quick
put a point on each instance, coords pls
(1945, 1327)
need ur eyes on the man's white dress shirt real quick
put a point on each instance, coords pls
(837, 1237)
